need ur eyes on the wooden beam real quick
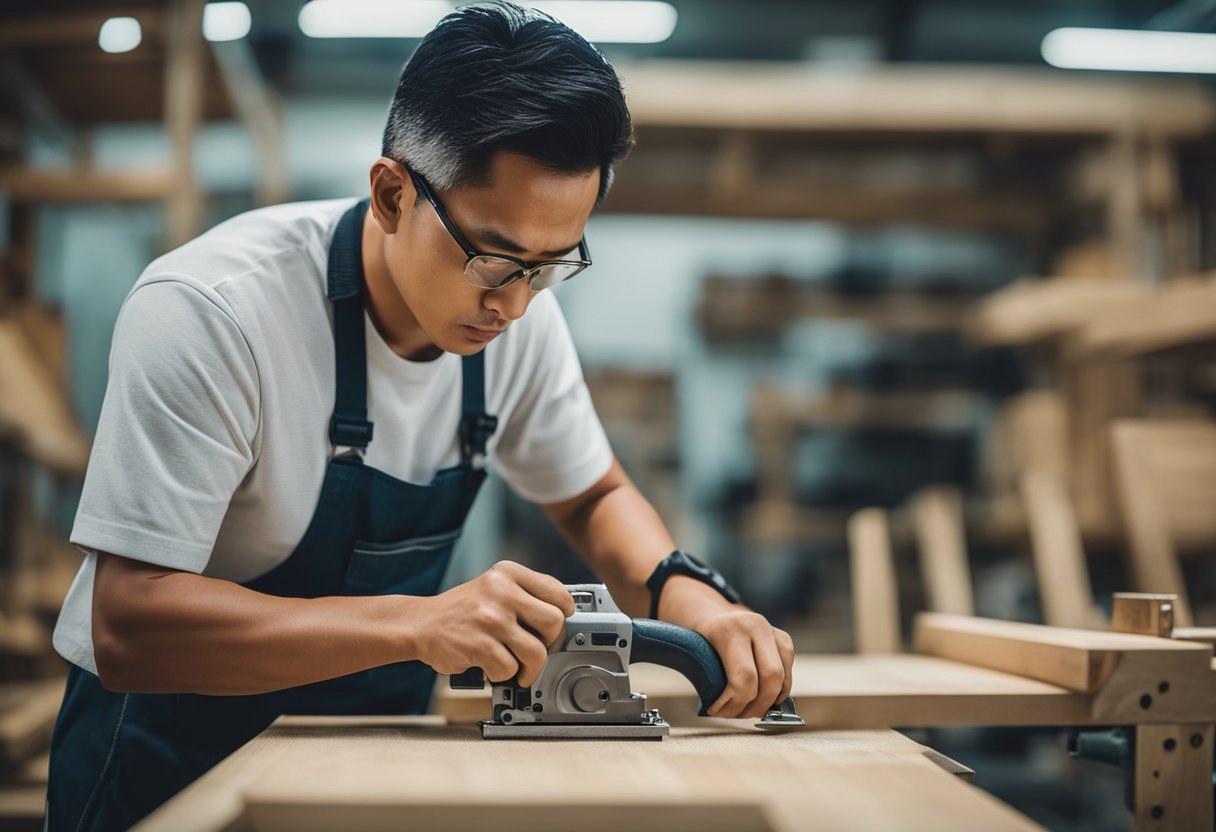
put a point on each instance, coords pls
(1037, 310)
(183, 106)
(875, 590)
(1151, 548)
(1059, 557)
(34, 416)
(941, 540)
(25, 185)
(260, 111)
(1175, 319)
(27, 715)
(1123, 671)
(67, 28)
(635, 194)
(910, 99)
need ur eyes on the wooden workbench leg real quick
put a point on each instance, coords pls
(1173, 778)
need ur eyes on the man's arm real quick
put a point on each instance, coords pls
(623, 539)
(159, 630)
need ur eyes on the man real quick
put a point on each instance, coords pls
(255, 547)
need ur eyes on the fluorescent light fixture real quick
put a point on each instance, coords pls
(614, 21)
(120, 34)
(225, 21)
(1130, 50)
(600, 21)
(371, 18)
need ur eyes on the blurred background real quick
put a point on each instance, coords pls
(925, 275)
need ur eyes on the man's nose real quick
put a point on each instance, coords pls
(510, 302)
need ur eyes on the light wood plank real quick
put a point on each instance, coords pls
(27, 716)
(941, 541)
(777, 96)
(371, 773)
(1167, 487)
(1032, 311)
(1177, 317)
(875, 592)
(1079, 660)
(857, 691)
(1059, 558)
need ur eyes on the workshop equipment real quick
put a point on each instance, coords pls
(583, 692)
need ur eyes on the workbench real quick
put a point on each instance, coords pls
(982, 672)
(391, 773)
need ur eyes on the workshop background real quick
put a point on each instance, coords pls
(878, 278)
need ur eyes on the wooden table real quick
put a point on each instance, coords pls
(390, 773)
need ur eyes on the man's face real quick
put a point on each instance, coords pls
(527, 211)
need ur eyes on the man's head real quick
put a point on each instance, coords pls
(515, 122)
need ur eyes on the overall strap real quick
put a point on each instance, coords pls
(349, 425)
(476, 426)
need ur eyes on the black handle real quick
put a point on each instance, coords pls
(471, 679)
(684, 651)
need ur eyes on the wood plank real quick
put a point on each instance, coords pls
(941, 542)
(1031, 311)
(1059, 557)
(789, 97)
(370, 773)
(28, 717)
(872, 575)
(1079, 660)
(33, 413)
(1176, 318)
(1166, 475)
(857, 691)
(52, 185)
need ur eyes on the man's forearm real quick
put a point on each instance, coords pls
(623, 539)
(157, 630)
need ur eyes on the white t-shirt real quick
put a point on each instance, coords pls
(213, 437)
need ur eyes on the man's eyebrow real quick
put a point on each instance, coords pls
(496, 239)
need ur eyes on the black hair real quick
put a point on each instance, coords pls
(494, 77)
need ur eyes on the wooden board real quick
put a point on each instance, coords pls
(33, 413)
(942, 545)
(1133, 679)
(1032, 311)
(854, 691)
(310, 773)
(783, 96)
(1178, 317)
(875, 593)
(1059, 557)
(27, 716)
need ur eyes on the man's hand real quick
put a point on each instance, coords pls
(501, 621)
(758, 659)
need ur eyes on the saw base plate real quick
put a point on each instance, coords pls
(573, 731)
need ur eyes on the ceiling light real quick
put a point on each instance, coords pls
(119, 34)
(600, 21)
(1130, 50)
(371, 18)
(614, 21)
(225, 21)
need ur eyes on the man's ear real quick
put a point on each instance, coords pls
(392, 192)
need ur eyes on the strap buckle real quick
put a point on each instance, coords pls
(350, 432)
(475, 431)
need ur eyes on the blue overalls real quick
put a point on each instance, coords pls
(115, 756)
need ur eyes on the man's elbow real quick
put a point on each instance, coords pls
(112, 655)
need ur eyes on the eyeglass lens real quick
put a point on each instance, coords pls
(490, 272)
